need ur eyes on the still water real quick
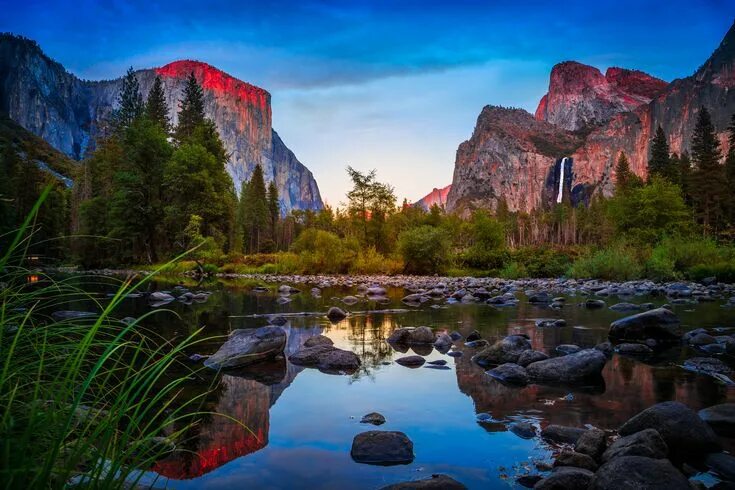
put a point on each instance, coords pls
(301, 422)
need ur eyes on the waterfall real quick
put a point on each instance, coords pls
(561, 181)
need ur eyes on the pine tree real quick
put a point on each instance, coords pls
(624, 177)
(191, 110)
(708, 186)
(155, 108)
(660, 161)
(730, 171)
(685, 176)
(129, 102)
(274, 208)
(256, 211)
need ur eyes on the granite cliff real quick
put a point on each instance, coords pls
(435, 197)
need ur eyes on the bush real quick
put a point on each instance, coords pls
(488, 243)
(321, 251)
(424, 249)
(542, 262)
(513, 270)
(614, 263)
(370, 261)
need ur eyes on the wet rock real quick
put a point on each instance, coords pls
(443, 342)
(605, 347)
(326, 358)
(578, 460)
(625, 307)
(455, 353)
(550, 322)
(374, 418)
(581, 366)
(647, 443)
(562, 434)
(474, 335)
(592, 443)
(411, 361)
(510, 373)
(318, 340)
(659, 324)
(721, 418)
(507, 350)
(477, 344)
(277, 320)
(382, 448)
(528, 481)
(160, 296)
(707, 365)
(566, 478)
(247, 346)
(350, 300)
(411, 335)
(637, 472)
(455, 336)
(286, 289)
(723, 465)
(594, 304)
(681, 428)
(702, 339)
(376, 291)
(523, 429)
(335, 313)
(435, 482)
(530, 356)
(567, 349)
(633, 349)
(282, 300)
(540, 298)
(413, 299)
(438, 362)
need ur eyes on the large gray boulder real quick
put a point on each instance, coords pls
(247, 346)
(647, 443)
(682, 429)
(434, 482)
(327, 358)
(585, 365)
(507, 350)
(721, 418)
(510, 373)
(412, 335)
(637, 472)
(382, 448)
(660, 324)
(566, 478)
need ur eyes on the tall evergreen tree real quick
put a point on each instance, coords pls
(624, 177)
(708, 186)
(129, 102)
(155, 107)
(274, 208)
(660, 161)
(191, 110)
(256, 219)
(730, 172)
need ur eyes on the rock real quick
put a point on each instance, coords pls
(529, 356)
(647, 443)
(723, 465)
(438, 362)
(335, 313)
(561, 434)
(528, 481)
(659, 324)
(455, 336)
(681, 428)
(376, 291)
(411, 361)
(326, 358)
(721, 418)
(477, 344)
(474, 335)
(605, 347)
(247, 346)
(160, 296)
(373, 418)
(566, 478)
(707, 365)
(633, 349)
(625, 307)
(574, 368)
(550, 322)
(578, 460)
(350, 300)
(411, 335)
(510, 373)
(277, 320)
(523, 429)
(702, 339)
(592, 443)
(594, 304)
(434, 482)
(286, 289)
(637, 472)
(382, 448)
(318, 340)
(567, 349)
(507, 350)
(540, 298)
(443, 342)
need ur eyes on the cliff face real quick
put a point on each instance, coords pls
(589, 118)
(41, 96)
(435, 197)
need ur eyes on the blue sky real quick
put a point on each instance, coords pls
(391, 85)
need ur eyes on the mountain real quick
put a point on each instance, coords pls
(437, 196)
(40, 95)
(568, 150)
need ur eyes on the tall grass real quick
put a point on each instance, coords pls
(82, 399)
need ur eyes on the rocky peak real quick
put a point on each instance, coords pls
(436, 196)
(580, 96)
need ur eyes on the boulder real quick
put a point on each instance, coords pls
(382, 448)
(507, 350)
(412, 335)
(550, 322)
(707, 365)
(579, 367)
(647, 443)
(566, 478)
(637, 472)
(633, 349)
(723, 465)
(594, 304)
(540, 298)
(374, 418)
(659, 324)
(434, 482)
(318, 340)
(510, 373)
(529, 356)
(592, 443)
(578, 460)
(443, 342)
(721, 418)
(326, 358)
(625, 307)
(336, 314)
(566, 349)
(474, 335)
(246, 346)
(159, 296)
(411, 361)
(523, 429)
(562, 434)
(682, 429)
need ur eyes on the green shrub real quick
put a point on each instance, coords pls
(321, 251)
(370, 261)
(425, 250)
(542, 262)
(723, 271)
(614, 263)
(660, 268)
(488, 243)
(513, 270)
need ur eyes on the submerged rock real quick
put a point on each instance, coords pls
(579, 367)
(246, 346)
(335, 313)
(382, 448)
(434, 482)
(659, 324)
(507, 350)
(73, 315)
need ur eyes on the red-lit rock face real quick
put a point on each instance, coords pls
(435, 197)
(581, 96)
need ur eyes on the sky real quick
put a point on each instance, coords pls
(395, 85)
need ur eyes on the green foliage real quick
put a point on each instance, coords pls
(320, 251)
(424, 249)
(617, 262)
(488, 242)
(542, 261)
(660, 162)
(191, 110)
(129, 102)
(369, 204)
(156, 109)
(709, 192)
(625, 179)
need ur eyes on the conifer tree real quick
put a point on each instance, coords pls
(685, 176)
(730, 171)
(660, 161)
(256, 211)
(155, 108)
(708, 186)
(191, 110)
(129, 102)
(274, 209)
(624, 178)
